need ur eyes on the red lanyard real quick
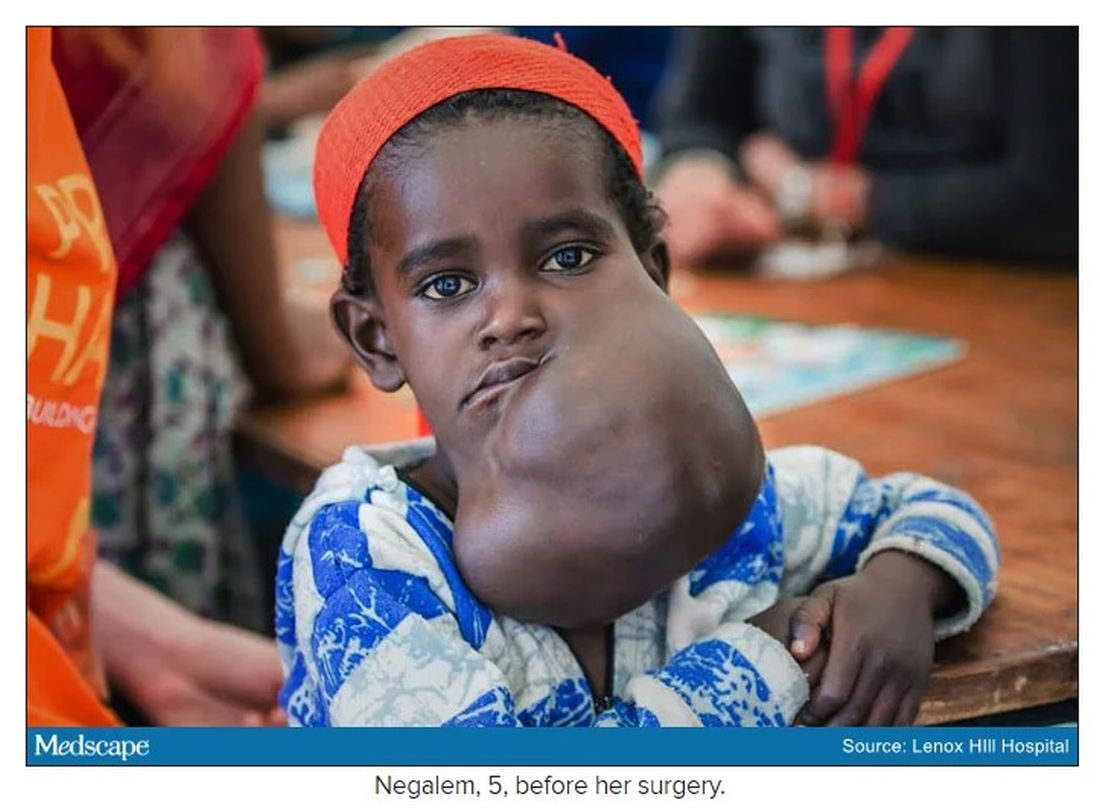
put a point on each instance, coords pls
(851, 102)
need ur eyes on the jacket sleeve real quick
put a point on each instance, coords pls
(365, 642)
(835, 518)
(1021, 204)
(707, 99)
(736, 676)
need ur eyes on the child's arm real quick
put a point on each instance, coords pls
(836, 519)
(925, 559)
(365, 643)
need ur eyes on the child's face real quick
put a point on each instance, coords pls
(598, 447)
(489, 249)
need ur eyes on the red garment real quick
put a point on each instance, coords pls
(156, 110)
(406, 86)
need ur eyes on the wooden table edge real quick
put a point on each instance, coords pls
(1023, 680)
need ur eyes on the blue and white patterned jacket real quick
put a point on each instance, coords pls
(375, 626)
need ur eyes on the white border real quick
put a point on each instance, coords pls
(310, 788)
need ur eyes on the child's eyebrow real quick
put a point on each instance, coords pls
(573, 219)
(531, 231)
(433, 252)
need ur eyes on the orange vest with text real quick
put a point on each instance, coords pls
(70, 292)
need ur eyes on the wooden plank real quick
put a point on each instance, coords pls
(968, 690)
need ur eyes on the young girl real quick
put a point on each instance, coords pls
(594, 537)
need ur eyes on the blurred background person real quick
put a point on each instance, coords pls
(635, 57)
(166, 119)
(953, 140)
(311, 68)
(88, 621)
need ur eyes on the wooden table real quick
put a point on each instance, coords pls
(1001, 424)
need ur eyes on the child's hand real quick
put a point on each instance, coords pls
(881, 641)
(801, 624)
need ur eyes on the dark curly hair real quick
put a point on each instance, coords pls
(644, 219)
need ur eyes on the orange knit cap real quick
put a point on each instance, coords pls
(404, 87)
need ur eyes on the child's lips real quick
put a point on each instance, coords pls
(499, 377)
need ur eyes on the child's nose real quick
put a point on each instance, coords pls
(514, 315)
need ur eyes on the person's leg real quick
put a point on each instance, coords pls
(196, 522)
(166, 503)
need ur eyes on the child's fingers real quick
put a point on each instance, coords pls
(855, 710)
(908, 708)
(837, 683)
(885, 707)
(815, 666)
(867, 687)
(809, 623)
(812, 668)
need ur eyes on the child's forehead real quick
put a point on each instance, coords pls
(514, 167)
(477, 140)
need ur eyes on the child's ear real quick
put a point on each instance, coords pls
(658, 264)
(360, 322)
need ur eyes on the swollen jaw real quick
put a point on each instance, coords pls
(631, 460)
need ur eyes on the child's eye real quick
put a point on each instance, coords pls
(446, 286)
(569, 258)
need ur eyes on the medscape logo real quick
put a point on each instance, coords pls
(81, 746)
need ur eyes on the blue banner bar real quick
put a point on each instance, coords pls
(1015, 746)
